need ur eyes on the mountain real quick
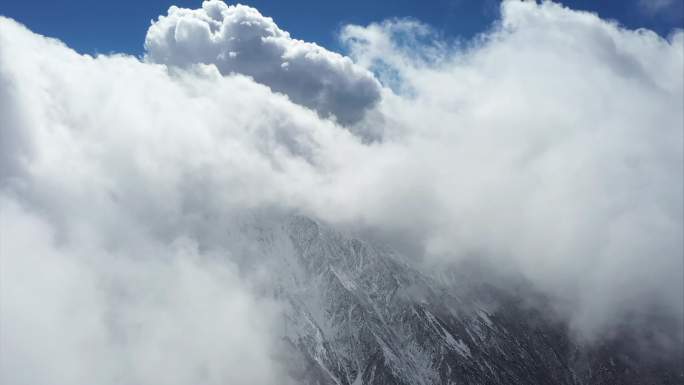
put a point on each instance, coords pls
(358, 314)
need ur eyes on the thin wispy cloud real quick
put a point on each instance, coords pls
(656, 6)
(665, 9)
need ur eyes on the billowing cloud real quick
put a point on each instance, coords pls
(239, 39)
(551, 146)
(115, 267)
(553, 142)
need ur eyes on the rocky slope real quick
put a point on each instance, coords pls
(360, 315)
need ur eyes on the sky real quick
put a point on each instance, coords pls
(118, 26)
(551, 147)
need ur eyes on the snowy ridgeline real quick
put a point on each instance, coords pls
(357, 314)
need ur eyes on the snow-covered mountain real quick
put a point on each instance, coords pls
(357, 314)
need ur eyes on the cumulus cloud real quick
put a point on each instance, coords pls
(553, 142)
(550, 145)
(115, 267)
(239, 39)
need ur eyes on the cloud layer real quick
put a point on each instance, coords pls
(551, 146)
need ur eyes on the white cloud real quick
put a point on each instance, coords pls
(552, 145)
(113, 210)
(79, 313)
(239, 39)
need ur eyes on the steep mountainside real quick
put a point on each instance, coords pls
(360, 315)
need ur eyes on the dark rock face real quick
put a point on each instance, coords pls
(359, 315)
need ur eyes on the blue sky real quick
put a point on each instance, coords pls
(120, 26)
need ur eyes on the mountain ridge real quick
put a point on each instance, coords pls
(356, 314)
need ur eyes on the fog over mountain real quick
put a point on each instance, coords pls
(198, 214)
